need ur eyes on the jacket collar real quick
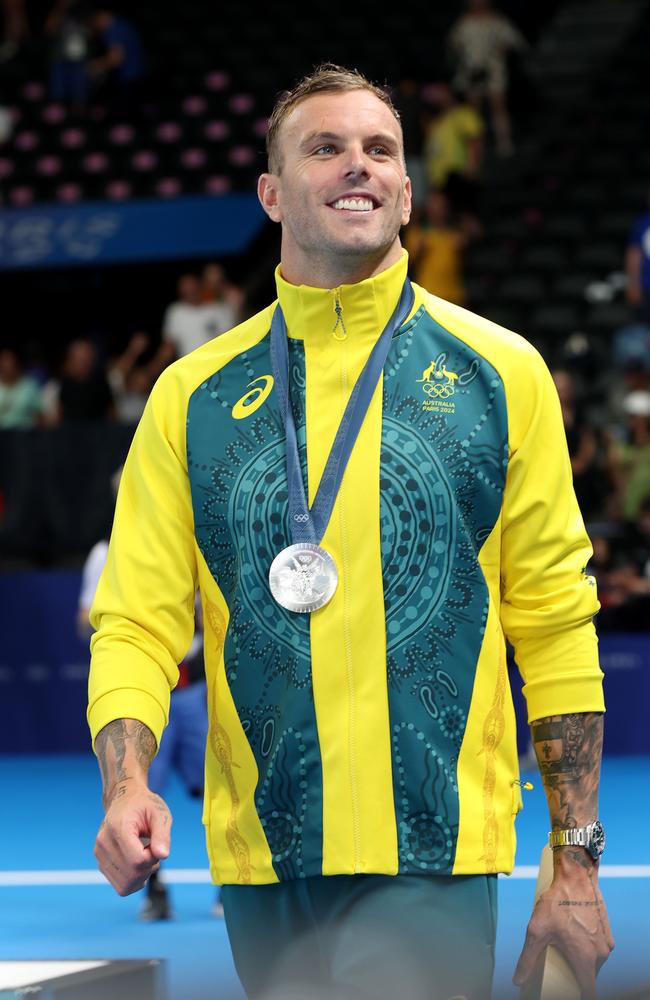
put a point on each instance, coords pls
(357, 312)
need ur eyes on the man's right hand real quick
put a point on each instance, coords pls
(133, 838)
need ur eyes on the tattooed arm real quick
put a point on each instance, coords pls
(571, 914)
(134, 836)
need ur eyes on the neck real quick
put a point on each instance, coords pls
(326, 271)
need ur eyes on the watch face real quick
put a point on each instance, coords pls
(596, 839)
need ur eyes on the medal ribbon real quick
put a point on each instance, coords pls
(309, 524)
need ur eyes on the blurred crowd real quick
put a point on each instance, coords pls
(88, 50)
(88, 386)
(451, 125)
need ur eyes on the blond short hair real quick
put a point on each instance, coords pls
(328, 78)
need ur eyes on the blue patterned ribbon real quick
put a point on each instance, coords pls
(309, 524)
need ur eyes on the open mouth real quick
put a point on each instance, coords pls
(354, 204)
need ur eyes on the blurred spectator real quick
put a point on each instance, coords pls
(183, 749)
(622, 570)
(68, 37)
(637, 266)
(20, 395)
(587, 449)
(454, 151)
(190, 322)
(631, 375)
(630, 458)
(408, 101)
(480, 42)
(15, 28)
(215, 287)
(131, 376)
(638, 540)
(436, 250)
(6, 124)
(119, 70)
(82, 393)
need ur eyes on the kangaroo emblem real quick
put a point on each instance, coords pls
(428, 372)
(443, 372)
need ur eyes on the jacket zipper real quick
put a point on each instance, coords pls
(338, 309)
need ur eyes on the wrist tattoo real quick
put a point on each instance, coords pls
(569, 749)
(111, 747)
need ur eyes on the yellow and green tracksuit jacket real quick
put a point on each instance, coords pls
(376, 734)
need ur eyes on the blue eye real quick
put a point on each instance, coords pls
(326, 148)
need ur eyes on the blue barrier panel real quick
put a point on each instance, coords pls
(625, 659)
(43, 664)
(141, 229)
(44, 668)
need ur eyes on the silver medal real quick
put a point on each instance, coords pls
(303, 577)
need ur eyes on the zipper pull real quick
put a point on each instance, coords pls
(338, 309)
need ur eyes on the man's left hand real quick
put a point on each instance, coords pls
(571, 915)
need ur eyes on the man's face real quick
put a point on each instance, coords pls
(342, 190)
(189, 289)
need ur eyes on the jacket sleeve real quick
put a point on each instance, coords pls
(548, 600)
(143, 610)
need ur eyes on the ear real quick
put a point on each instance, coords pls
(406, 207)
(269, 195)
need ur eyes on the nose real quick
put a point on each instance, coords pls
(355, 163)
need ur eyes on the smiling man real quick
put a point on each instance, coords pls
(371, 488)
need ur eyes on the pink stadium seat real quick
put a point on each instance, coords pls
(6, 167)
(217, 80)
(33, 90)
(22, 195)
(121, 135)
(26, 141)
(169, 132)
(48, 166)
(241, 156)
(53, 114)
(241, 104)
(69, 193)
(195, 105)
(144, 160)
(168, 187)
(118, 190)
(95, 163)
(217, 184)
(216, 129)
(73, 138)
(193, 159)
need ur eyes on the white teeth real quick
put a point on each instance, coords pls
(354, 204)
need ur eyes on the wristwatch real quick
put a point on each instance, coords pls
(591, 837)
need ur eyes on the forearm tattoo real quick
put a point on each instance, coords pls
(569, 750)
(119, 744)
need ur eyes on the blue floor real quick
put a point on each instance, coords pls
(51, 810)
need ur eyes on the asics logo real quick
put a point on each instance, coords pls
(253, 399)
